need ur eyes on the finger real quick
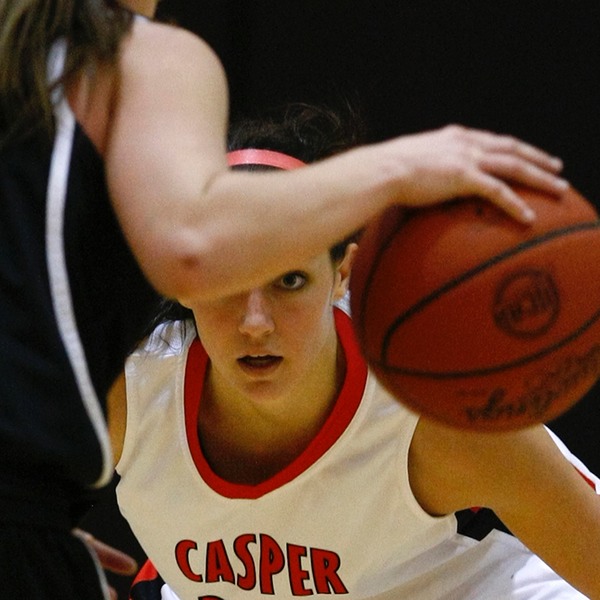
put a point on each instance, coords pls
(114, 560)
(499, 193)
(509, 145)
(110, 558)
(522, 172)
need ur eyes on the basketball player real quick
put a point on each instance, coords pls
(262, 459)
(114, 184)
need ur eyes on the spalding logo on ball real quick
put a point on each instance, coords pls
(473, 319)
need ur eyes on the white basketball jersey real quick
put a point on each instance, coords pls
(340, 520)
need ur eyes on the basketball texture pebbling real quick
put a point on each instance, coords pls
(475, 320)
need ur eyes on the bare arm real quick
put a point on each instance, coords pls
(526, 480)
(200, 230)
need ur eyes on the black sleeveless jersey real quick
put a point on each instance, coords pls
(73, 303)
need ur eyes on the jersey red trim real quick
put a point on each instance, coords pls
(147, 584)
(589, 481)
(342, 414)
(147, 572)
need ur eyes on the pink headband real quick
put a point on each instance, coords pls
(269, 158)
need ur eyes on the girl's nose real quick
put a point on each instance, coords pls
(256, 320)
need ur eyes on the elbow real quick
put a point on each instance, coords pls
(182, 266)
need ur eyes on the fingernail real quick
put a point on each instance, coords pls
(528, 214)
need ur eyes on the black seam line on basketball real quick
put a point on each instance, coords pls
(421, 304)
(488, 370)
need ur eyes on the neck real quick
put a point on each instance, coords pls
(244, 443)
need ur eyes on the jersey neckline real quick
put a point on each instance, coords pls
(342, 414)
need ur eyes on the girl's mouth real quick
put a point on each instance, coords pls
(259, 363)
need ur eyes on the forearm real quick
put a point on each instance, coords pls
(240, 230)
(257, 226)
(208, 231)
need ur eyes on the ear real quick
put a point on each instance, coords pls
(342, 272)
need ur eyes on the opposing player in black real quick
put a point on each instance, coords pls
(113, 173)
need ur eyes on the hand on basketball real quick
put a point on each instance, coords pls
(474, 321)
(456, 161)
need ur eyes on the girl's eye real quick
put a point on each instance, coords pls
(292, 281)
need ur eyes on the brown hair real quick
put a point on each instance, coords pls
(92, 30)
(307, 132)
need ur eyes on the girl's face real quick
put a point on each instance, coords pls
(272, 342)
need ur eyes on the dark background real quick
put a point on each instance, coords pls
(417, 65)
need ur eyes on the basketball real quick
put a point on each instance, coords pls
(473, 319)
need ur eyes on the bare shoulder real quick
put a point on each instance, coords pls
(153, 34)
(153, 47)
(525, 478)
(452, 469)
(439, 463)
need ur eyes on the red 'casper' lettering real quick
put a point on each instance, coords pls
(240, 547)
(325, 565)
(218, 567)
(272, 562)
(297, 574)
(182, 551)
